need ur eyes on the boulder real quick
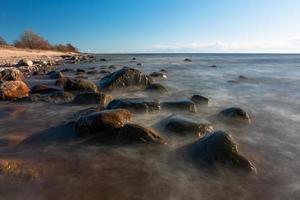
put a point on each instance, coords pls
(55, 75)
(11, 74)
(25, 62)
(77, 85)
(60, 97)
(200, 100)
(105, 123)
(183, 126)
(125, 78)
(187, 60)
(12, 90)
(136, 134)
(217, 148)
(92, 98)
(158, 75)
(181, 106)
(135, 105)
(156, 87)
(234, 115)
(43, 89)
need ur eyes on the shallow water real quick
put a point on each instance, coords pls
(64, 171)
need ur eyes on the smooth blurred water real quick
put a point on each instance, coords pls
(270, 94)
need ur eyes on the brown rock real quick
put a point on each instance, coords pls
(11, 90)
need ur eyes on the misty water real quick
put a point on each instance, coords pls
(62, 170)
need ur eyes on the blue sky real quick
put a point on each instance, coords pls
(121, 26)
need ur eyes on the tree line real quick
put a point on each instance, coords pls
(31, 40)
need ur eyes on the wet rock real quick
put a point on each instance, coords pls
(181, 106)
(103, 59)
(80, 70)
(158, 75)
(139, 64)
(200, 100)
(135, 105)
(77, 85)
(187, 60)
(43, 89)
(183, 126)
(125, 78)
(136, 134)
(213, 66)
(163, 71)
(11, 74)
(157, 87)
(55, 75)
(67, 70)
(133, 58)
(234, 115)
(93, 98)
(92, 72)
(104, 72)
(81, 77)
(11, 90)
(217, 148)
(104, 123)
(112, 67)
(60, 97)
(25, 62)
(241, 77)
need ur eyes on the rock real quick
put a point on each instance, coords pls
(243, 77)
(200, 100)
(19, 169)
(104, 72)
(11, 74)
(77, 84)
(55, 75)
(125, 78)
(104, 123)
(103, 59)
(181, 126)
(133, 58)
(139, 64)
(80, 70)
(92, 72)
(213, 66)
(234, 115)
(163, 71)
(67, 70)
(135, 105)
(93, 98)
(43, 89)
(60, 97)
(217, 148)
(158, 75)
(136, 134)
(112, 67)
(183, 106)
(25, 62)
(156, 87)
(187, 60)
(12, 90)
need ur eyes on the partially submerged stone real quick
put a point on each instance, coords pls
(11, 74)
(187, 60)
(135, 105)
(217, 148)
(158, 75)
(157, 87)
(55, 75)
(125, 78)
(12, 90)
(182, 126)
(93, 98)
(77, 84)
(200, 100)
(181, 106)
(234, 115)
(43, 89)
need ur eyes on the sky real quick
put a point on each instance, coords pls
(158, 26)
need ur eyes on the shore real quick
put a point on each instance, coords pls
(11, 55)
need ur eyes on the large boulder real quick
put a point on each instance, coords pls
(217, 148)
(93, 98)
(25, 62)
(234, 115)
(12, 90)
(43, 89)
(105, 123)
(182, 126)
(125, 78)
(11, 74)
(77, 84)
(135, 105)
(136, 134)
(179, 106)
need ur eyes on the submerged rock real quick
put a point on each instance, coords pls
(158, 75)
(125, 78)
(55, 75)
(43, 89)
(187, 60)
(11, 74)
(200, 100)
(105, 123)
(157, 87)
(182, 126)
(234, 115)
(80, 70)
(12, 90)
(183, 106)
(93, 98)
(135, 105)
(77, 84)
(67, 70)
(217, 148)
(60, 97)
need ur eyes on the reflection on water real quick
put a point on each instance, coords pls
(67, 171)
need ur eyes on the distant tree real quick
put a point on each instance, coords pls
(2, 41)
(32, 40)
(65, 48)
(71, 48)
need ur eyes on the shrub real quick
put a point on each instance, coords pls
(31, 40)
(2, 41)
